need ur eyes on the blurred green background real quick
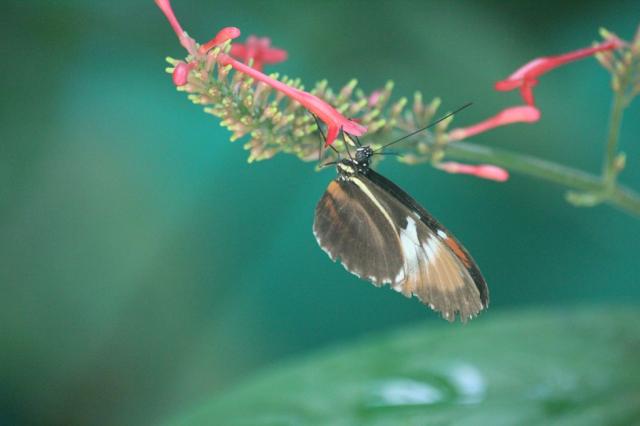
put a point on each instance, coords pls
(144, 265)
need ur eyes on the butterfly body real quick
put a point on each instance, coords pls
(383, 235)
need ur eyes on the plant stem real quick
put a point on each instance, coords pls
(609, 171)
(615, 195)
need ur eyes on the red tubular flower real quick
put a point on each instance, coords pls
(227, 33)
(484, 171)
(260, 50)
(181, 73)
(526, 77)
(330, 116)
(517, 114)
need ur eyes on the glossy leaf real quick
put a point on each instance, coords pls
(532, 368)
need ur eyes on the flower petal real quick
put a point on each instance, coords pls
(484, 171)
(259, 50)
(274, 55)
(517, 114)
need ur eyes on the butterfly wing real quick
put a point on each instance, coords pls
(351, 227)
(427, 261)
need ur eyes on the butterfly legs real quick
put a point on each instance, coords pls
(323, 141)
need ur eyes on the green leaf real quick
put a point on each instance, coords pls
(578, 367)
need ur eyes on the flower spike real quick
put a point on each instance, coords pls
(328, 114)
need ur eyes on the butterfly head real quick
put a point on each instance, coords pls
(359, 163)
(363, 155)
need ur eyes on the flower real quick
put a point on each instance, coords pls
(260, 50)
(181, 73)
(335, 121)
(225, 34)
(484, 171)
(517, 114)
(526, 77)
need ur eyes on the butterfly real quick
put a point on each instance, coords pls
(381, 234)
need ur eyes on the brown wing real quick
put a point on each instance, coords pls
(349, 226)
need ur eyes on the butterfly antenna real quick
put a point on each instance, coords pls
(426, 127)
(387, 153)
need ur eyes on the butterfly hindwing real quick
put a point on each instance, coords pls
(465, 292)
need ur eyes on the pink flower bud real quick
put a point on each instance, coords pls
(484, 171)
(374, 97)
(225, 34)
(181, 73)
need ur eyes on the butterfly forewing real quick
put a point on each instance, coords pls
(381, 234)
(350, 226)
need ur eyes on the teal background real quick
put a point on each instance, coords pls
(144, 265)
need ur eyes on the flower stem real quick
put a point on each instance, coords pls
(615, 195)
(609, 169)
